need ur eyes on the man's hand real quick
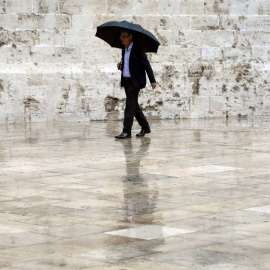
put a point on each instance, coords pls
(154, 85)
(119, 66)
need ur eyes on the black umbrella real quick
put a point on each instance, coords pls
(110, 32)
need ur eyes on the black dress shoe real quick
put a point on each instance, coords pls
(143, 132)
(123, 135)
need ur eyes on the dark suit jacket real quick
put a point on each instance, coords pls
(138, 64)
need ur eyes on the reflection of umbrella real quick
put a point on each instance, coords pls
(110, 32)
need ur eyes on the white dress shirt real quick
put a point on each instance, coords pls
(126, 72)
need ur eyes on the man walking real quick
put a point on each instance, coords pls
(133, 66)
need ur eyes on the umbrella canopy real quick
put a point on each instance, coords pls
(110, 32)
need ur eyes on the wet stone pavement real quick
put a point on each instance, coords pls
(193, 194)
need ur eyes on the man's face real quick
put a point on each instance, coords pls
(126, 38)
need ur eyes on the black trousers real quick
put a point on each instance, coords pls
(132, 107)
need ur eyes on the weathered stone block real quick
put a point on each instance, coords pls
(120, 7)
(263, 7)
(71, 7)
(218, 38)
(169, 6)
(93, 6)
(236, 54)
(187, 38)
(183, 103)
(211, 53)
(233, 22)
(170, 110)
(196, 114)
(184, 40)
(184, 55)
(167, 37)
(265, 106)
(214, 86)
(260, 54)
(28, 37)
(99, 55)
(98, 19)
(193, 38)
(45, 6)
(216, 103)
(4, 37)
(248, 23)
(61, 22)
(201, 70)
(34, 21)
(81, 22)
(176, 55)
(153, 22)
(215, 114)
(257, 23)
(252, 38)
(216, 7)
(8, 21)
(82, 38)
(34, 108)
(14, 55)
(147, 7)
(199, 103)
(243, 7)
(184, 114)
(51, 37)
(55, 54)
(18, 6)
(180, 22)
(210, 22)
(2, 6)
(194, 7)
(167, 75)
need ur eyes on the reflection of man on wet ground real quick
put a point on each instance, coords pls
(133, 160)
(137, 196)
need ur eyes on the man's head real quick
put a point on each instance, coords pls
(126, 37)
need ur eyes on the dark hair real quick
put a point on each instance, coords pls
(130, 32)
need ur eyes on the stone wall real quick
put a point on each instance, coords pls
(213, 60)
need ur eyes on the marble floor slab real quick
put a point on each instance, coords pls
(192, 195)
(149, 232)
(263, 209)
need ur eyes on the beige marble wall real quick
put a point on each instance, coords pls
(213, 60)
